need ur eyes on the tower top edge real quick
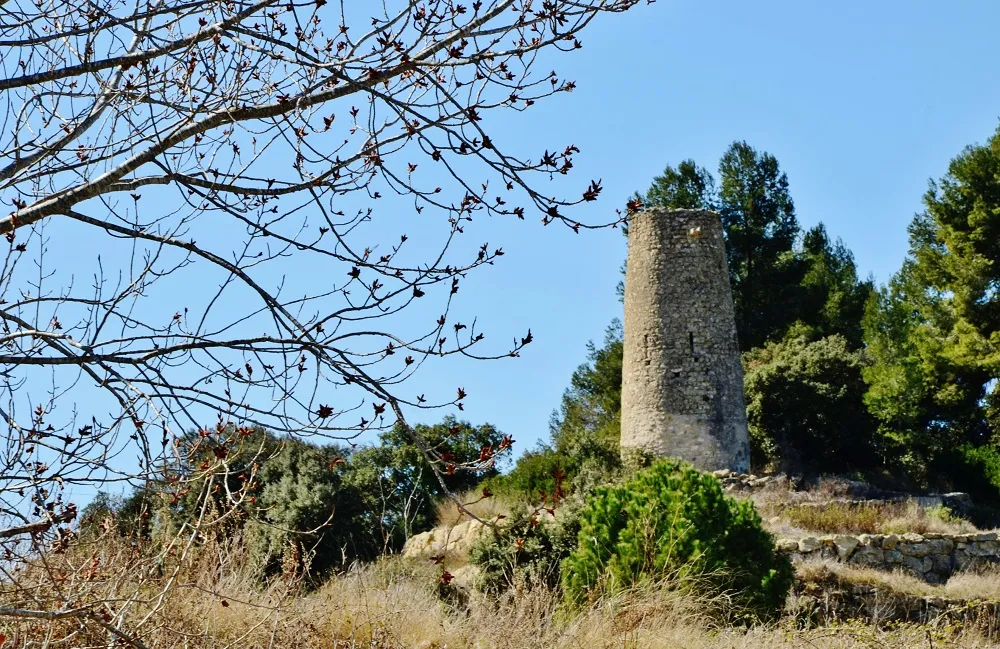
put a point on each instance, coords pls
(675, 212)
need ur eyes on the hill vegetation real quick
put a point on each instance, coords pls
(895, 385)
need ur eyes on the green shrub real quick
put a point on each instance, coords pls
(537, 472)
(526, 553)
(671, 521)
(805, 406)
(975, 470)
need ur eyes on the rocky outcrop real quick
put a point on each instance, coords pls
(443, 541)
(930, 557)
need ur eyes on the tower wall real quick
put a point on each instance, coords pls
(682, 382)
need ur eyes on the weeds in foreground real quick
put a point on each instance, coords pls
(393, 603)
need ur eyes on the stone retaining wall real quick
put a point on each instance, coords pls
(931, 557)
(833, 601)
(851, 492)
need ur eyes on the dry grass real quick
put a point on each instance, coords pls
(447, 512)
(981, 584)
(861, 518)
(395, 604)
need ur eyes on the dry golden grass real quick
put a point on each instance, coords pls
(394, 604)
(447, 512)
(860, 518)
(983, 584)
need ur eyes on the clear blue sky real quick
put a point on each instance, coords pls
(861, 102)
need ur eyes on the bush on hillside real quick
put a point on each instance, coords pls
(974, 470)
(805, 406)
(536, 473)
(526, 552)
(671, 521)
(296, 504)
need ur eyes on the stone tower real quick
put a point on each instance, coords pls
(682, 382)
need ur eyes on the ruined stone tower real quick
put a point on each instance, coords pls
(682, 382)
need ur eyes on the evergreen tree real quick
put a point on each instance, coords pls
(584, 433)
(669, 521)
(587, 429)
(686, 187)
(758, 217)
(774, 283)
(831, 300)
(805, 406)
(934, 332)
(403, 489)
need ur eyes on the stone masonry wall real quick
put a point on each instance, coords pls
(931, 557)
(682, 382)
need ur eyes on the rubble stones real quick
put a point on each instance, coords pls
(787, 545)
(809, 544)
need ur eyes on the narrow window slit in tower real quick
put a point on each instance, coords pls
(691, 341)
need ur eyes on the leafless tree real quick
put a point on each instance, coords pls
(195, 241)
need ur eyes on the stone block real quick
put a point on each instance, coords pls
(982, 549)
(941, 564)
(868, 555)
(914, 563)
(941, 545)
(419, 545)
(787, 545)
(809, 544)
(845, 545)
(890, 542)
(915, 549)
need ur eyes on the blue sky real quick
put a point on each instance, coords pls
(861, 103)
